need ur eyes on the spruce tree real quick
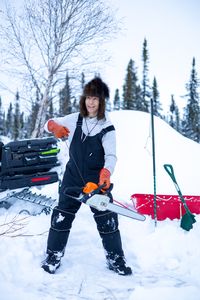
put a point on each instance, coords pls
(2, 119)
(116, 101)
(155, 96)
(138, 99)
(82, 80)
(75, 105)
(174, 116)
(9, 121)
(178, 120)
(16, 124)
(51, 110)
(65, 98)
(30, 122)
(130, 87)
(28, 126)
(191, 118)
(145, 80)
(172, 109)
(22, 126)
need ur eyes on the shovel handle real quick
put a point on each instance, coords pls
(170, 171)
(188, 219)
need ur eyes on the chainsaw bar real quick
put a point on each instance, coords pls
(102, 202)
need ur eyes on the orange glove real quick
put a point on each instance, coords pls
(89, 187)
(59, 131)
(104, 177)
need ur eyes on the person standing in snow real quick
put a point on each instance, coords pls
(92, 158)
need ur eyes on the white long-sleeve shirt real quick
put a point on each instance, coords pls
(92, 126)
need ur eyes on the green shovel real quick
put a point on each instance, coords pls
(188, 218)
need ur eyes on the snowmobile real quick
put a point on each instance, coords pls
(25, 164)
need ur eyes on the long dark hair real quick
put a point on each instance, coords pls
(96, 88)
(101, 110)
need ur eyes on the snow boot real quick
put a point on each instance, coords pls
(107, 225)
(52, 262)
(118, 265)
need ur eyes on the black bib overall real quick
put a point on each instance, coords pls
(85, 162)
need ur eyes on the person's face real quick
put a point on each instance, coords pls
(92, 105)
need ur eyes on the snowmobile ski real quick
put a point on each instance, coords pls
(103, 202)
(40, 203)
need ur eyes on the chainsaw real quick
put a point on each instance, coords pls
(96, 197)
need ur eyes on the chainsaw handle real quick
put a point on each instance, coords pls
(70, 190)
(108, 190)
(101, 187)
(170, 171)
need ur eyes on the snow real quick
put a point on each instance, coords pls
(164, 258)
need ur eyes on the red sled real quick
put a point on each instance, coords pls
(168, 206)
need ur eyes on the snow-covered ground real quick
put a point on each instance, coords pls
(165, 259)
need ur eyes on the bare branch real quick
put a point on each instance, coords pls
(14, 226)
(53, 36)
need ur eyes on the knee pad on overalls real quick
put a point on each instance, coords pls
(107, 222)
(107, 225)
(61, 220)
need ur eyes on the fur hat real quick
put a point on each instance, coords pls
(97, 88)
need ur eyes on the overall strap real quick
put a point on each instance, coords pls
(79, 121)
(107, 129)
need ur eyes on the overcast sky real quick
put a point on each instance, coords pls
(171, 28)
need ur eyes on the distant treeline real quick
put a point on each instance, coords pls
(135, 95)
